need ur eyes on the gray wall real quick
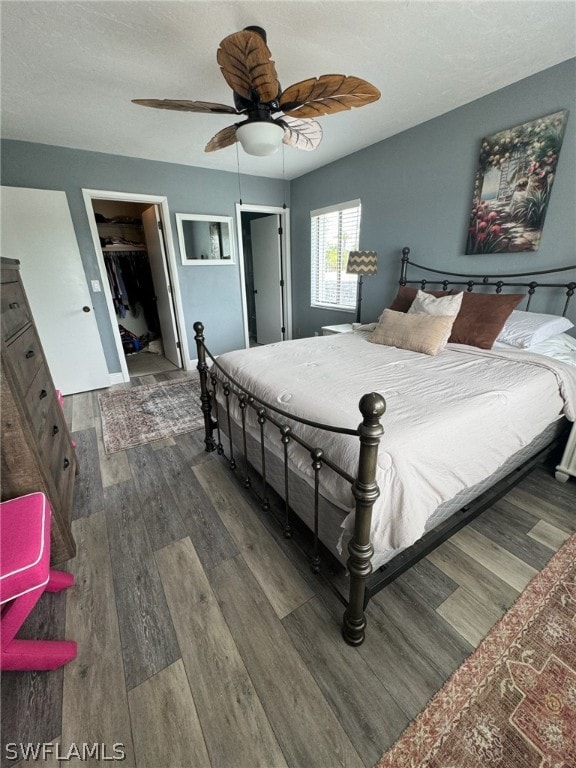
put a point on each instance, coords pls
(210, 294)
(416, 190)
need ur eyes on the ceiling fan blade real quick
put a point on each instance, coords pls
(224, 138)
(181, 105)
(244, 59)
(301, 134)
(327, 94)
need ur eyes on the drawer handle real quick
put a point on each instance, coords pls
(43, 394)
(55, 430)
(30, 354)
(13, 305)
(66, 463)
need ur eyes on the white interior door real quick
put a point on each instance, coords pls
(160, 278)
(267, 288)
(37, 230)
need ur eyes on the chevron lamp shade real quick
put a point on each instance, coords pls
(362, 263)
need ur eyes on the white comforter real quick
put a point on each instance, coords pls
(450, 421)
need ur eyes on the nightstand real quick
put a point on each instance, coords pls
(328, 330)
(567, 465)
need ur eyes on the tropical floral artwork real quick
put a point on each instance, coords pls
(513, 184)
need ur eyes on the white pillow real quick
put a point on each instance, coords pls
(561, 347)
(426, 304)
(524, 329)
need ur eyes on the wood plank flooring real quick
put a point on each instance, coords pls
(193, 654)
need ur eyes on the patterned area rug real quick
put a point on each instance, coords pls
(512, 704)
(152, 412)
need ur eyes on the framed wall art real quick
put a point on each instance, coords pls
(513, 185)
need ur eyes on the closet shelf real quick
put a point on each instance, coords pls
(123, 247)
(132, 223)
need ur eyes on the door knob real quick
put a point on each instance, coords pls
(85, 309)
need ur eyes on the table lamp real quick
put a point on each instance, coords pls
(361, 263)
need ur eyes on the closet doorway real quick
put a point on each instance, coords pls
(265, 259)
(137, 277)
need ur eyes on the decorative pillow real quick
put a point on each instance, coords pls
(426, 304)
(418, 333)
(524, 329)
(406, 296)
(482, 317)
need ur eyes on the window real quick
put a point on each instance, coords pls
(335, 231)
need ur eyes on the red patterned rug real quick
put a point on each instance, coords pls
(512, 704)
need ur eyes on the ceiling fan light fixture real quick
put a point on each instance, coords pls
(247, 66)
(260, 137)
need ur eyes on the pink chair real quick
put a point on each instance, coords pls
(24, 575)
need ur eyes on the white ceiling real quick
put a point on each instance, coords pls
(70, 69)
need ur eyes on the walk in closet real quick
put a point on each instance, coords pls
(125, 249)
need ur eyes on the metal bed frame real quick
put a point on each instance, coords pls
(363, 582)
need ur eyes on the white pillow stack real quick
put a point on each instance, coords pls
(525, 329)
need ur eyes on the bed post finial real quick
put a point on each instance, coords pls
(205, 400)
(404, 267)
(366, 491)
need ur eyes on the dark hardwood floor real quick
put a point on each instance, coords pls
(205, 641)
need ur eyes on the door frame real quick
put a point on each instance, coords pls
(176, 305)
(285, 218)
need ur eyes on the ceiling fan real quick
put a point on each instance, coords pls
(245, 62)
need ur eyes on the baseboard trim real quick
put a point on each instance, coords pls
(116, 378)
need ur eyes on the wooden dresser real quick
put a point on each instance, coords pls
(37, 453)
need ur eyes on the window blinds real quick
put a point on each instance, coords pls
(335, 231)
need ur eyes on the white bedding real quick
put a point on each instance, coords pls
(451, 420)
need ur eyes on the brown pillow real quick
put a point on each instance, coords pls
(418, 333)
(482, 316)
(406, 296)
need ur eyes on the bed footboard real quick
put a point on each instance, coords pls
(364, 487)
(366, 491)
(205, 400)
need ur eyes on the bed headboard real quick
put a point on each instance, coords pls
(447, 279)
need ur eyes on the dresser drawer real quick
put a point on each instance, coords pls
(56, 451)
(15, 313)
(25, 357)
(64, 467)
(39, 401)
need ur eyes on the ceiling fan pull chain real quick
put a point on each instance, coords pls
(238, 167)
(284, 175)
